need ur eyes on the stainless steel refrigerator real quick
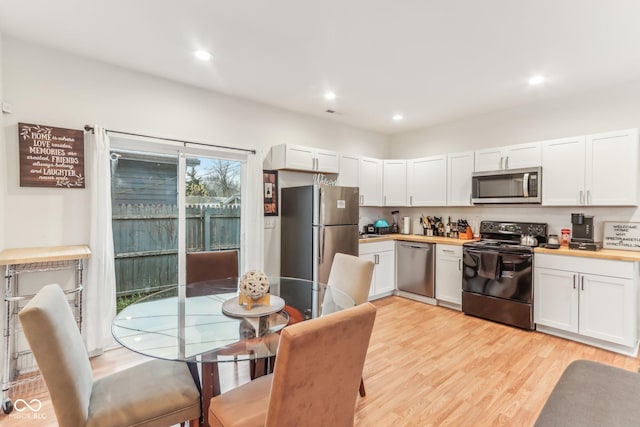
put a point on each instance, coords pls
(317, 222)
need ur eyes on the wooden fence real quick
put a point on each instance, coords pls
(145, 239)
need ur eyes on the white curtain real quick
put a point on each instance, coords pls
(253, 215)
(100, 280)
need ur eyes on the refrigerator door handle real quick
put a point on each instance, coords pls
(322, 240)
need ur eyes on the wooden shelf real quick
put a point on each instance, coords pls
(43, 254)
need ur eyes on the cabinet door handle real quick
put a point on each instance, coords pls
(448, 250)
(459, 265)
(582, 282)
(410, 200)
(376, 258)
(588, 201)
(581, 197)
(506, 162)
(574, 281)
(501, 159)
(384, 200)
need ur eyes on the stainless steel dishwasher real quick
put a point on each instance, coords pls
(416, 268)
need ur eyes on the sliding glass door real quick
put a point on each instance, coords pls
(165, 202)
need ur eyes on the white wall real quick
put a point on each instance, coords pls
(4, 173)
(610, 108)
(51, 87)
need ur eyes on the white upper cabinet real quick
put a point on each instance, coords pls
(327, 161)
(349, 171)
(508, 157)
(563, 164)
(459, 170)
(370, 181)
(597, 170)
(365, 173)
(489, 159)
(394, 182)
(611, 176)
(427, 181)
(308, 159)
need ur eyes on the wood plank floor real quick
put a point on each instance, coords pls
(430, 366)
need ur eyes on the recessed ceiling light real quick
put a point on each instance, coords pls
(397, 117)
(536, 80)
(329, 95)
(202, 55)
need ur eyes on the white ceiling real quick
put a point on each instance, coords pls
(431, 60)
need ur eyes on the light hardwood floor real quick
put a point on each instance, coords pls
(431, 366)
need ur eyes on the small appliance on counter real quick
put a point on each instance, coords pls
(552, 242)
(394, 229)
(381, 226)
(582, 233)
(369, 229)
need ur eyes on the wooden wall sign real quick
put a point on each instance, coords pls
(622, 235)
(50, 156)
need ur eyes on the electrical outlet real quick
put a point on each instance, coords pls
(269, 222)
(7, 108)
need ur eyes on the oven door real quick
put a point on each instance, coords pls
(498, 273)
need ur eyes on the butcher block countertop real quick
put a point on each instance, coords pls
(43, 254)
(415, 238)
(613, 254)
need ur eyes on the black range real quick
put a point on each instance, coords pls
(497, 278)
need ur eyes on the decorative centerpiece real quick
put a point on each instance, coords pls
(254, 289)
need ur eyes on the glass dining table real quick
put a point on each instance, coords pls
(190, 323)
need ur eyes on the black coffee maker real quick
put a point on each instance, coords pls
(582, 233)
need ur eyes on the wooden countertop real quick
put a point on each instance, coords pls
(43, 254)
(612, 254)
(418, 238)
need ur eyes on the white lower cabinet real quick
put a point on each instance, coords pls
(449, 275)
(382, 254)
(590, 300)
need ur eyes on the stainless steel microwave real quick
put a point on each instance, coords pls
(507, 186)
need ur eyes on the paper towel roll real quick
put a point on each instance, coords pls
(406, 225)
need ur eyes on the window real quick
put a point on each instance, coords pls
(148, 212)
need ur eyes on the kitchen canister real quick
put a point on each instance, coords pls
(566, 236)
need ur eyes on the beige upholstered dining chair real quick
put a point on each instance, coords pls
(315, 379)
(154, 393)
(353, 276)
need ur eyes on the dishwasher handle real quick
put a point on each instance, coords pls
(426, 248)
